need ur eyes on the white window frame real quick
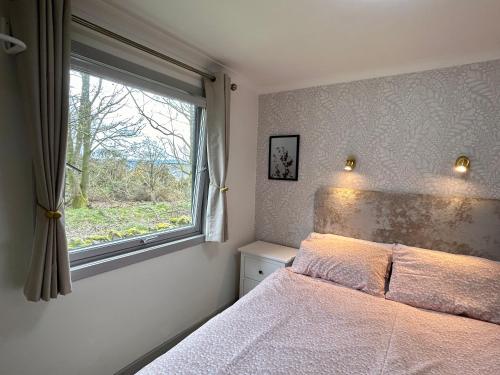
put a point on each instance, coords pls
(103, 257)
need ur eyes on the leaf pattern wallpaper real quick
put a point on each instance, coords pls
(405, 131)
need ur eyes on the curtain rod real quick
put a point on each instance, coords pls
(89, 25)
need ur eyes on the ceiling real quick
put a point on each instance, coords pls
(286, 44)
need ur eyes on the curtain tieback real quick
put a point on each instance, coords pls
(221, 189)
(51, 214)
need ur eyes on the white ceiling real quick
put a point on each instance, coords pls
(285, 44)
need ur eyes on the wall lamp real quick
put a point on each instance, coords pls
(462, 164)
(350, 164)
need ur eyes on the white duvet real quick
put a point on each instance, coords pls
(295, 324)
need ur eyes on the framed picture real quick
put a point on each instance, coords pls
(284, 157)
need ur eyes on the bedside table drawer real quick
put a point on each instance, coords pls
(258, 269)
(259, 259)
(248, 285)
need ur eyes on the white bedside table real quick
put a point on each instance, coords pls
(259, 259)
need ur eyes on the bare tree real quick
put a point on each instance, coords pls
(166, 121)
(151, 156)
(96, 122)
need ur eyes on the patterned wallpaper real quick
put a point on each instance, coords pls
(405, 131)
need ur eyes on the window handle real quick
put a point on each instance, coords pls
(145, 240)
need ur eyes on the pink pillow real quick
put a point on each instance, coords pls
(455, 284)
(357, 264)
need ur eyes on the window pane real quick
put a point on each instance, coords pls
(130, 162)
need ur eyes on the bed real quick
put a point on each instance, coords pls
(297, 324)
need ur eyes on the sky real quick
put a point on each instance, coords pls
(160, 112)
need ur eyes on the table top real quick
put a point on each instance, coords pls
(269, 250)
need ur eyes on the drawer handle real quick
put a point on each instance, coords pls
(260, 272)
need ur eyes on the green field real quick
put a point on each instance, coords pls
(108, 222)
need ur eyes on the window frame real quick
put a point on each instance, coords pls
(90, 260)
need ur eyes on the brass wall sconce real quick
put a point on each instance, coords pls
(462, 164)
(350, 164)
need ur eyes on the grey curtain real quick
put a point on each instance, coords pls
(217, 134)
(43, 70)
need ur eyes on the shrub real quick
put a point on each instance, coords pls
(163, 226)
(115, 234)
(78, 242)
(98, 238)
(181, 220)
(135, 231)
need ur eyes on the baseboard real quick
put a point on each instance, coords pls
(142, 361)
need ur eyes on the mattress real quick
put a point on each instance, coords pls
(295, 324)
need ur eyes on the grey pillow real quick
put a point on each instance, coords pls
(354, 263)
(450, 283)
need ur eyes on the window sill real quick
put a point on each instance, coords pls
(103, 265)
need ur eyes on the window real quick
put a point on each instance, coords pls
(135, 168)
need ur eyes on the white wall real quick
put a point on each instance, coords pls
(113, 318)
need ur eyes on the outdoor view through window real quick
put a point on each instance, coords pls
(129, 162)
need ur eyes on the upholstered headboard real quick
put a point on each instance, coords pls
(454, 224)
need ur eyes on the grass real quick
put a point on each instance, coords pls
(112, 221)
